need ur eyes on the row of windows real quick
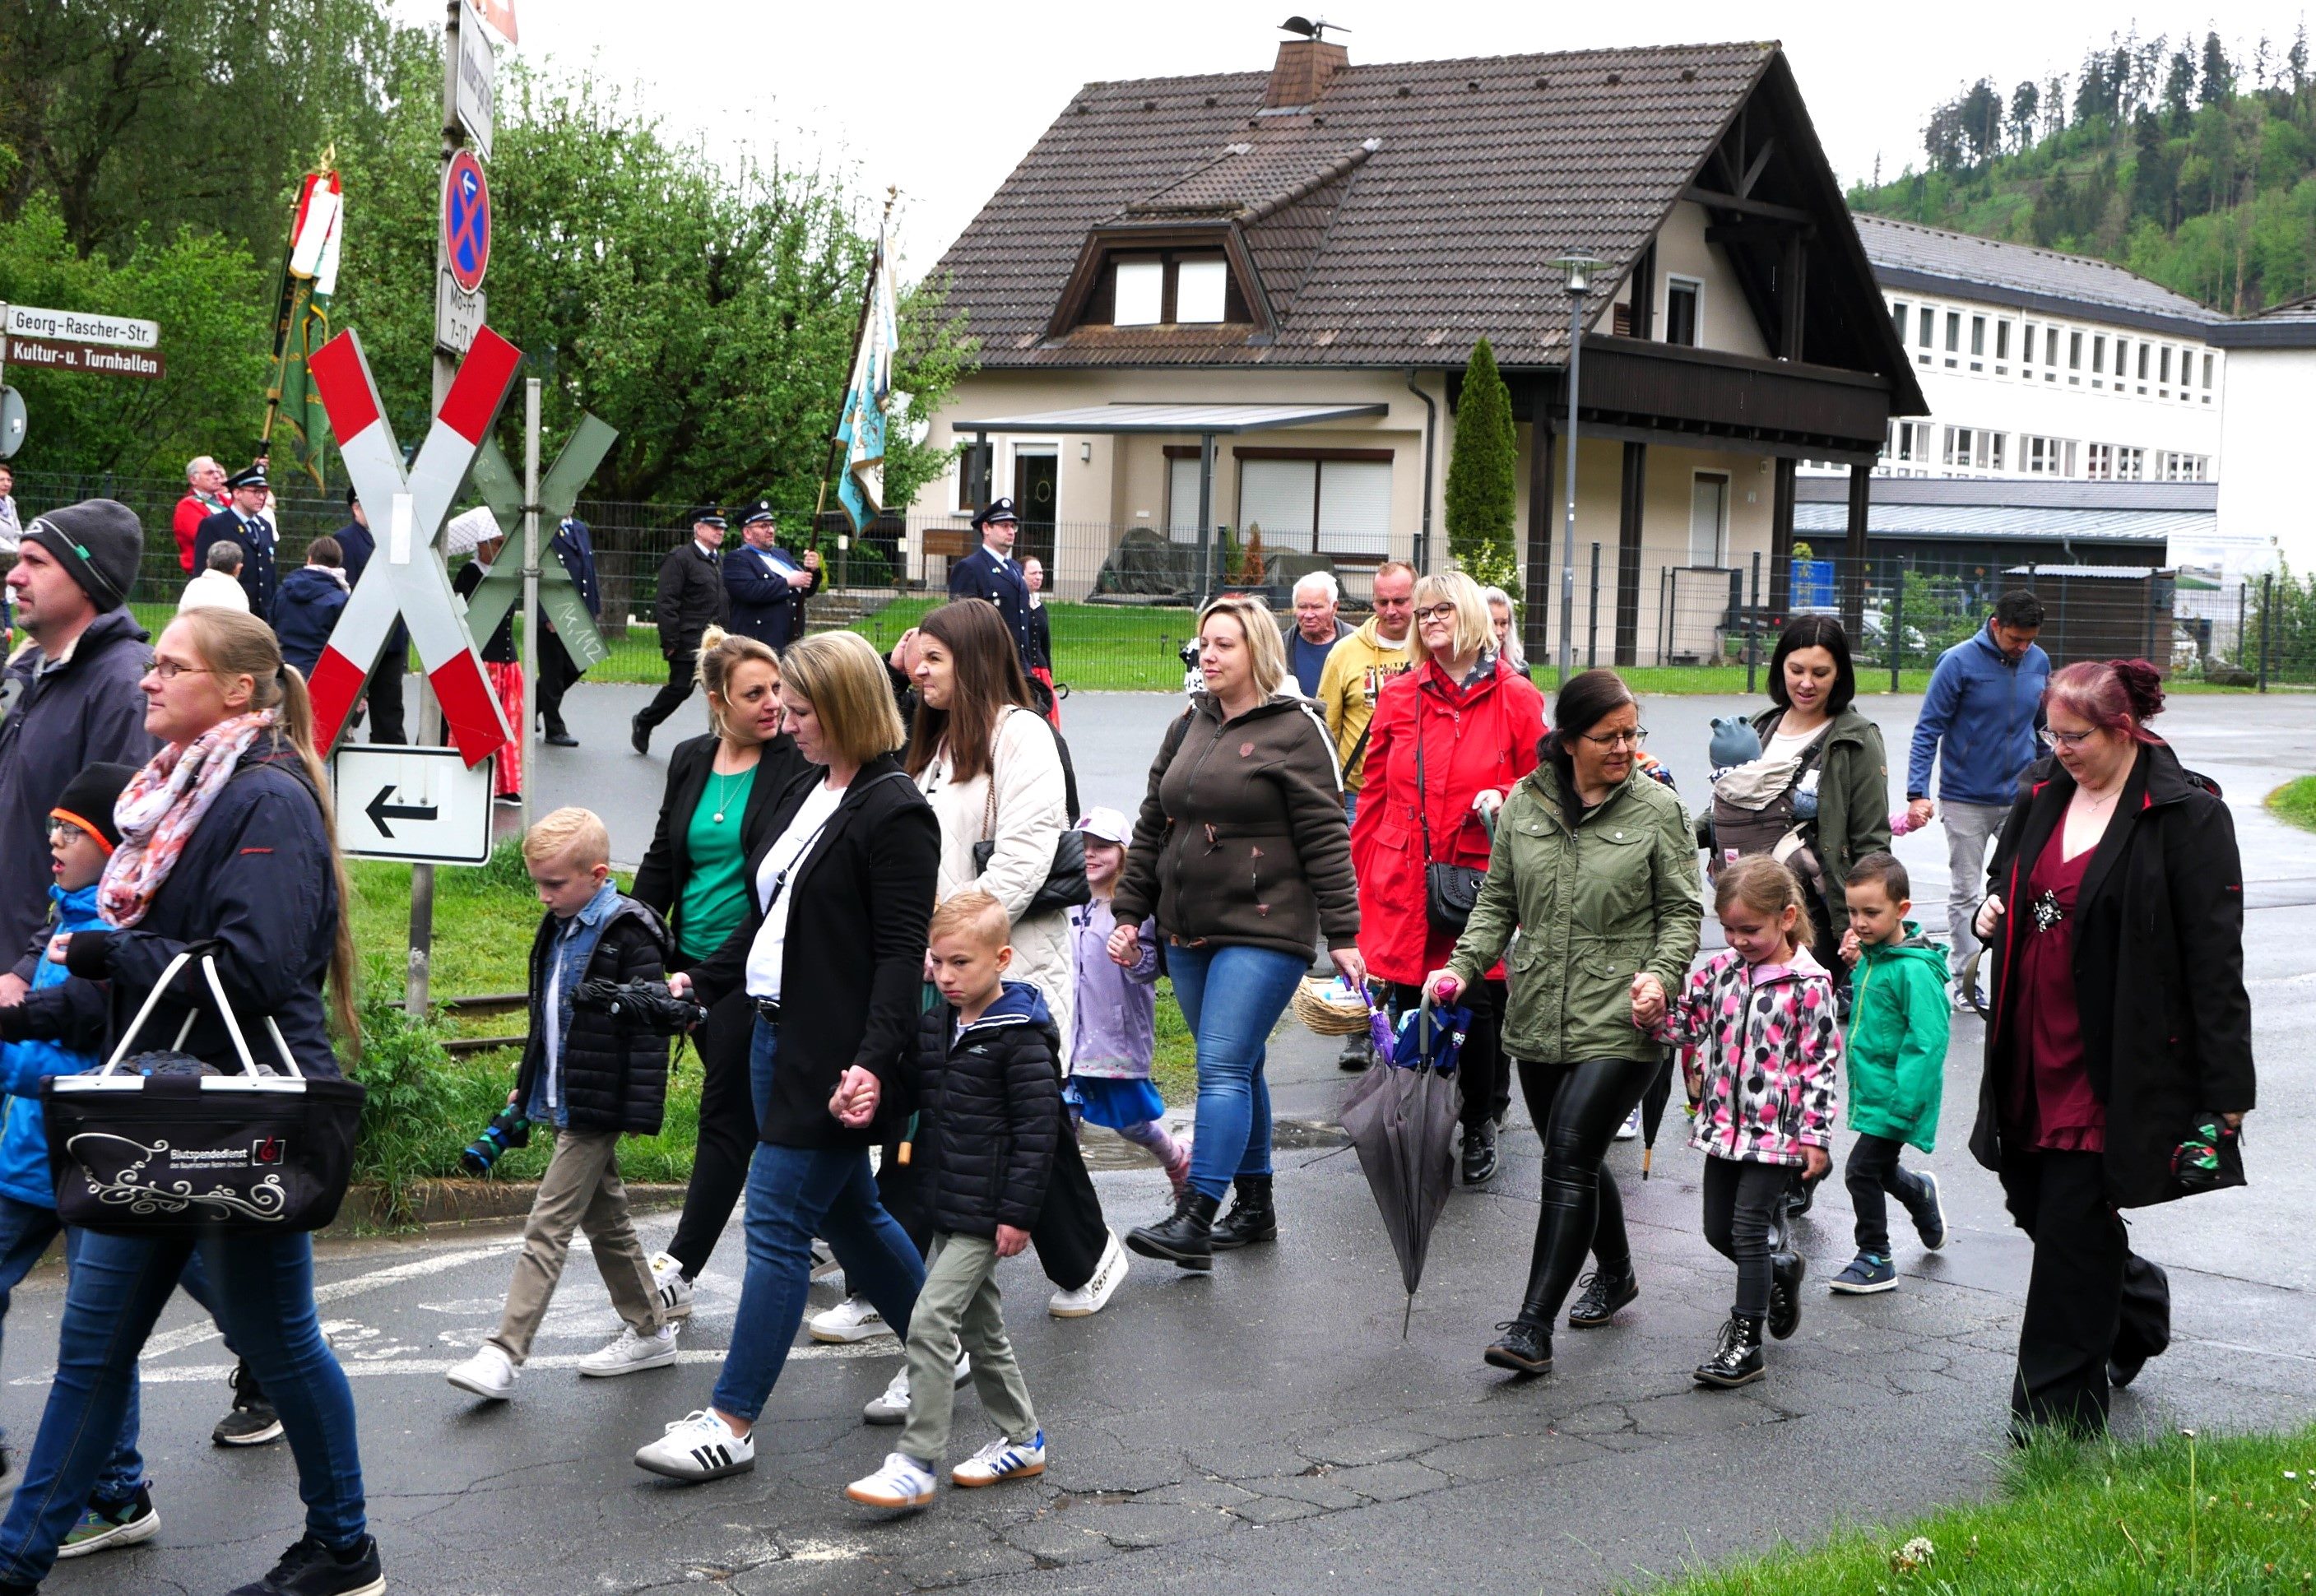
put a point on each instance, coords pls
(1981, 343)
(1919, 443)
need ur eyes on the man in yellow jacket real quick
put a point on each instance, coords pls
(1358, 667)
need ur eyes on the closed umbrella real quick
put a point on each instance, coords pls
(1653, 1112)
(1401, 1116)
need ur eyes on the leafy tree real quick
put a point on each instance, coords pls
(1981, 121)
(1483, 470)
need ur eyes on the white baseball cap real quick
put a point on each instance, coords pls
(1107, 825)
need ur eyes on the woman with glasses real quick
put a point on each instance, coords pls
(1595, 867)
(2121, 1033)
(1448, 740)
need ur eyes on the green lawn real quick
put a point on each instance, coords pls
(2090, 1521)
(2295, 801)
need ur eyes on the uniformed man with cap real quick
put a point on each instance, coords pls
(992, 572)
(690, 598)
(768, 584)
(243, 521)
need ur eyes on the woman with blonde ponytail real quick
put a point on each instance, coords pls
(226, 844)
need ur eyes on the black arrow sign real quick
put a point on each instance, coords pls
(379, 811)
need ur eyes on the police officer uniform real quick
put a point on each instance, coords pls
(257, 538)
(997, 579)
(690, 599)
(766, 605)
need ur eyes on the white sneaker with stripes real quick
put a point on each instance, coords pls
(668, 1284)
(1001, 1459)
(903, 1482)
(698, 1446)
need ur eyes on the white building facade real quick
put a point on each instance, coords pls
(2266, 513)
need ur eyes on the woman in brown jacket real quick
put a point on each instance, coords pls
(1243, 854)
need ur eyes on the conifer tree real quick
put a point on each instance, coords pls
(1482, 473)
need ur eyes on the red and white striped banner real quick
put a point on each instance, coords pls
(406, 578)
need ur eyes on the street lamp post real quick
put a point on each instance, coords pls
(1579, 269)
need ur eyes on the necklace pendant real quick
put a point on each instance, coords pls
(719, 816)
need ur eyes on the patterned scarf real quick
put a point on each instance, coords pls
(160, 808)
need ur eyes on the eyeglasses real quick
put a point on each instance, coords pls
(2055, 739)
(169, 670)
(1437, 612)
(1632, 738)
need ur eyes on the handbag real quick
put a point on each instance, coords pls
(1066, 884)
(168, 1146)
(1449, 890)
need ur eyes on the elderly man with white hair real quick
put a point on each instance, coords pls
(1316, 629)
(204, 498)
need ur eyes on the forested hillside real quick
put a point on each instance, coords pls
(2189, 165)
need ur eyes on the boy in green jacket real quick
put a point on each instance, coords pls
(1897, 1053)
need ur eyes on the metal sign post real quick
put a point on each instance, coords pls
(528, 766)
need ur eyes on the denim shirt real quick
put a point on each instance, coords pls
(566, 967)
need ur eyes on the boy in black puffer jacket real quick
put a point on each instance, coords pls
(987, 1085)
(589, 1076)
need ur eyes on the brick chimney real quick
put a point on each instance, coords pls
(1300, 74)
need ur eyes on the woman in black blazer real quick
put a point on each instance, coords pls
(721, 791)
(832, 955)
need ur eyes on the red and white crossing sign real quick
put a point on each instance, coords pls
(406, 578)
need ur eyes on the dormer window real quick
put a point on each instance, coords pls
(1177, 288)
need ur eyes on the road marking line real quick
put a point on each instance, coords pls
(188, 1374)
(416, 1269)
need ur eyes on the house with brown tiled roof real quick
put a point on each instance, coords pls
(1211, 305)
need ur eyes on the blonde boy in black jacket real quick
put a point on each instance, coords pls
(589, 1076)
(987, 1088)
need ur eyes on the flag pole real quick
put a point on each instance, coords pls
(860, 331)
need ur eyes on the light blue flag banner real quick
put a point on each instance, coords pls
(860, 484)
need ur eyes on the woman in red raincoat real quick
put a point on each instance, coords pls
(1475, 723)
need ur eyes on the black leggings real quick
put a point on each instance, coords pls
(1484, 1076)
(1742, 1202)
(728, 1132)
(1577, 1108)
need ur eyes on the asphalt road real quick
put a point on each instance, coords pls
(1267, 1429)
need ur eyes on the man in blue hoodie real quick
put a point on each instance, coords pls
(1978, 724)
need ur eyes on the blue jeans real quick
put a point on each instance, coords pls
(264, 1296)
(26, 1229)
(1232, 996)
(794, 1194)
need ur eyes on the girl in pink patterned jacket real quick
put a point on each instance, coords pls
(1762, 1051)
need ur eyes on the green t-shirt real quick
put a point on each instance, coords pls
(715, 898)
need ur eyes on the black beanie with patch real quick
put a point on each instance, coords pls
(99, 542)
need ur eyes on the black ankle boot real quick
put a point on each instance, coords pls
(1523, 1346)
(1737, 1359)
(1786, 1271)
(1185, 1237)
(1251, 1219)
(1603, 1294)
(1480, 1160)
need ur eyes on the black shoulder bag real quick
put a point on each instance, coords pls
(1066, 884)
(1449, 890)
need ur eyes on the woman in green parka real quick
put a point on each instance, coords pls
(1595, 866)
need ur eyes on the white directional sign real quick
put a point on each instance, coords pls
(424, 805)
(476, 99)
(81, 326)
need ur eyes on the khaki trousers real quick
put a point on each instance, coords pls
(580, 1191)
(959, 1301)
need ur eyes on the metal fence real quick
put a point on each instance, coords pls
(1122, 599)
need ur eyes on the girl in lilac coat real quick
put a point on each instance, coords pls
(1762, 1051)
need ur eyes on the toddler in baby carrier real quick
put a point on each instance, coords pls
(1761, 806)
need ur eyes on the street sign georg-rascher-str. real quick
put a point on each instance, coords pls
(423, 805)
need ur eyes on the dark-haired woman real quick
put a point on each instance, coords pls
(228, 848)
(722, 789)
(2120, 1026)
(1843, 771)
(1595, 867)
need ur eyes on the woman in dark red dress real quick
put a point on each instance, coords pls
(2116, 909)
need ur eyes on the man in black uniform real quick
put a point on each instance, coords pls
(768, 584)
(991, 573)
(240, 523)
(690, 597)
(574, 545)
(384, 694)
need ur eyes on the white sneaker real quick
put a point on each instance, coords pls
(903, 1482)
(855, 1319)
(1630, 1127)
(891, 1407)
(1094, 1296)
(489, 1374)
(631, 1353)
(673, 1291)
(1001, 1459)
(698, 1446)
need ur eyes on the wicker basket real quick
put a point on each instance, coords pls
(1330, 1008)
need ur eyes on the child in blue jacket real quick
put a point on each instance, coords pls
(58, 1031)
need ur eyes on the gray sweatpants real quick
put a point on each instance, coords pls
(1970, 828)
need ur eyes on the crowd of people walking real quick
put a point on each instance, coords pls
(912, 967)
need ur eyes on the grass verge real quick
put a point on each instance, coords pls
(2187, 1514)
(2295, 801)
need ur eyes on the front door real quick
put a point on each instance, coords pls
(1036, 487)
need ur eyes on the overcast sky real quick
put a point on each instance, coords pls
(943, 100)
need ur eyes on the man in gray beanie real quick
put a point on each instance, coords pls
(68, 701)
